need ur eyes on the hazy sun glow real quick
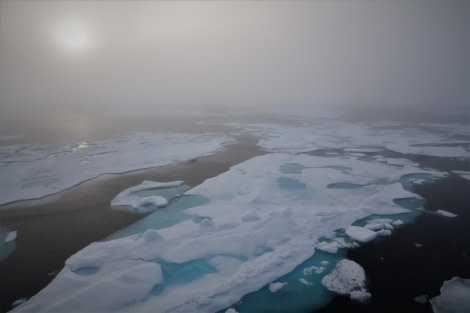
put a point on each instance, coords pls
(73, 36)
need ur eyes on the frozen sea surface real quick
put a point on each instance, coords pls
(281, 218)
(254, 229)
(34, 171)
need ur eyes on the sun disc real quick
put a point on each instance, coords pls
(73, 37)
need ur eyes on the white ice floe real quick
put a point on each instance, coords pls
(404, 138)
(34, 171)
(445, 213)
(454, 297)
(275, 287)
(305, 282)
(266, 216)
(423, 299)
(361, 234)
(11, 236)
(313, 269)
(348, 278)
(143, 203)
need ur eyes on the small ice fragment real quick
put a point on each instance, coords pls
(305, 282)
(454, 296)
(422, 299)
(384, 232)
(18, 302)
(11, 236)
(360, 233)
(275, 287)
(313, 269)
(231, 310)
(330, 247)
(446, 213)
(360, 296)
(324, 263)
(347, 278)
(418, 245)
(397, 223)
(374, 226)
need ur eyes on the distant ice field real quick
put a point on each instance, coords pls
(37, 170)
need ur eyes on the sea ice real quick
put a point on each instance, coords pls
(232, 244)
(305, 282)
(422, 299)
(360, 233)
(463, 174)
(347, 278)
(445, 213)
(275, 287)
(11, 236)
(130, 197)
(35, 170)
(454, 297)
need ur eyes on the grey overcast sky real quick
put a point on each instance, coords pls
(123, 56)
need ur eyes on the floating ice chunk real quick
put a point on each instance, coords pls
(305, 282)
(18, 302)
(324, 263)
(384, 232)
(446, 213)
(330, 247)
(418, 245)
(398, 223)
(360, 233)
(454, 297)
(347, 278)
(423, 299)
(401, 162)
(231, 310)
(128, 197)
(275, 287)
(11, 236)
(360, 296)
(313, 269)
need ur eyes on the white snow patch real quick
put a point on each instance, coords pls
(275, 287)
(361, 234)
(454, 297)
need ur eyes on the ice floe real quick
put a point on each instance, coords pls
(34, 171)
(454, 297)
(11, 236)
(264, 217)
(445, 213)
(144, 202)
(275, 287)
(361, 234)
(348, 278)
(463, 174)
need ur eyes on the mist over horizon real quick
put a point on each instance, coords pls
(145, 57)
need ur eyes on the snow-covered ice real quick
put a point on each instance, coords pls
(348, 278)
(275, 287)
(144, 202)
(232, 245)
(463, 174)
(31, 171)
(361, 234)
(454, 297)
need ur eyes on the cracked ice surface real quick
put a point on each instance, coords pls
(34, 171)
(264, 218)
